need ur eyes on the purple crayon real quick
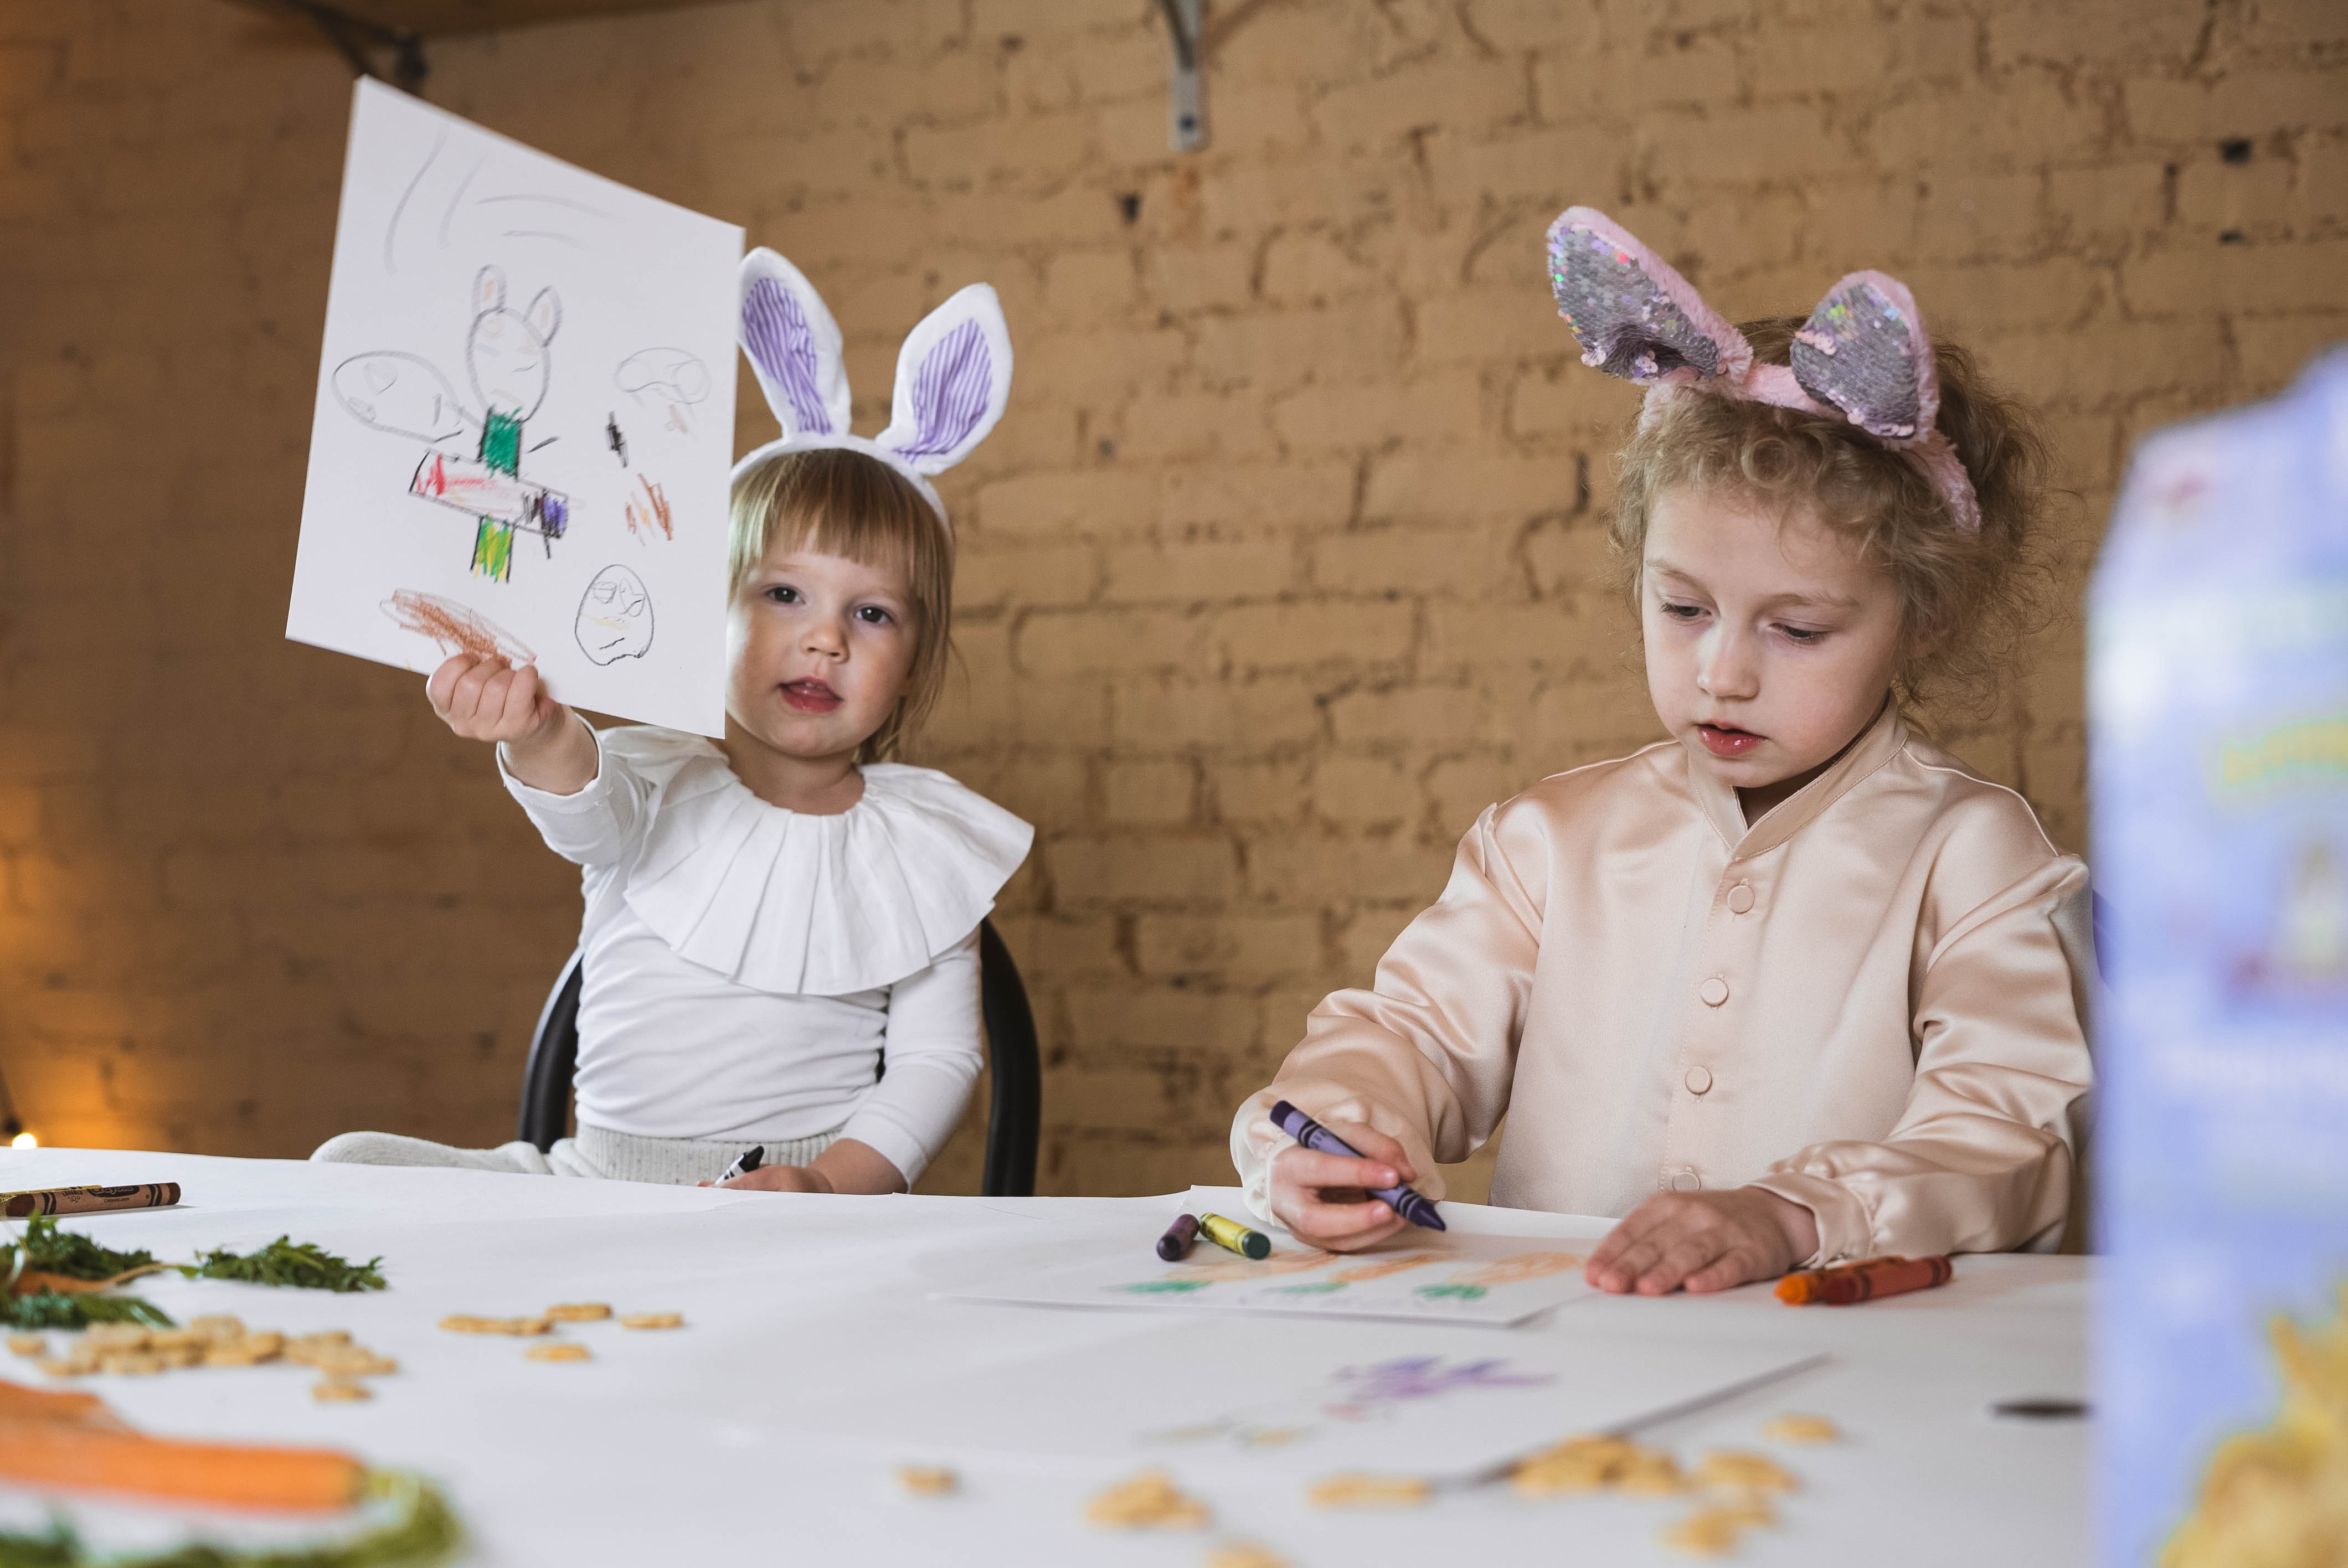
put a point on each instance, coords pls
(1175, 1245)
(1409, 1205)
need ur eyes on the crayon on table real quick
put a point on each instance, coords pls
(88, 1200)
(1235, 1235)
(1846, 1285)
(1409, 1205)
(1179, 1237)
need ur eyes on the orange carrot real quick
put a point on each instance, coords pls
(47, 1453)
(33, 1279)
(19, 1403)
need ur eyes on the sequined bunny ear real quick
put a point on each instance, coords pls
(1864, 351)
(1635, 316)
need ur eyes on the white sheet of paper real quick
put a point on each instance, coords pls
(1277, 1397)
(525, 421)
(1417, 1277)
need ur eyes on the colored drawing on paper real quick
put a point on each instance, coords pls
(615, 617)
(648, 511)
(1351, 1395)
(456, 627)
(1479, 1278)
(667, 379)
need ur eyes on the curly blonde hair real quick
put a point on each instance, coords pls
(844, 503)
(1967, 598)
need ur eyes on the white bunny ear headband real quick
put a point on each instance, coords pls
(1862, 354)
(953, 376)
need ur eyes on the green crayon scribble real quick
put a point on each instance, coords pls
(1456, 1292)
(1161, 1286)
(1316, 1287)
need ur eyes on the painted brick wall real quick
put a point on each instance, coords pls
(1283, 564)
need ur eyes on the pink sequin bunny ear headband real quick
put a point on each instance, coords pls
(953, 376)
(1862, 354)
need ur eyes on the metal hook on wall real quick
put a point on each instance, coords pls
(1185, 117)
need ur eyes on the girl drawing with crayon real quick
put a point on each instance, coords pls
(781, 945)
(1794, 986)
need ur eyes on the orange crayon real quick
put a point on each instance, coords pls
(1851, 1283)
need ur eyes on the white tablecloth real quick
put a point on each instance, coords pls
(684, 1447)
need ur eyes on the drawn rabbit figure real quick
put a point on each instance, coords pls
(507, 362)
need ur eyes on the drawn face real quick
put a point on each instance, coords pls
(615, 617)
(506, 359)
(1770, 643)
(820, 648)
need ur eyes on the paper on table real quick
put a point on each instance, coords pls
(1281, 1397)
(1421, 1276)
(524, 424)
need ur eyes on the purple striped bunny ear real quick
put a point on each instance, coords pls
(1864, 351)
(1635, 316)
(793, 347)
(953, 377)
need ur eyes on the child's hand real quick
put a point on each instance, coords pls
(490, 699)
(1321, 1197)
(1702, 1241)
(777, 1179)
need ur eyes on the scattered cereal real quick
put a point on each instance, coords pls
(1149, 1501)
(217, 1326)
(336, 1389)
(558, 1352)
(1575, 1465)
(653, 1320)
(1245, 1554)
(29, 1344)
(1732, 1471)
(579, 1312)
(1800, 1429)
(1650, 1472)
(1715, 1532)
(69, 1366)
(927, 1480)
(351, 1361)
(1368, 1491)
(523, 1327)
(105, 1337)
(131, 1363)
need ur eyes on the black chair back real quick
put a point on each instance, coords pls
(1014, 1112)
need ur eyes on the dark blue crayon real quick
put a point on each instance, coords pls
(1409, 1205)
(1175, 1245)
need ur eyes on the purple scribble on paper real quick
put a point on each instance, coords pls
(1421, 1377)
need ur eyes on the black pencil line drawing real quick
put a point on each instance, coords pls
(455, 202)
(391, 230)
(615, 617)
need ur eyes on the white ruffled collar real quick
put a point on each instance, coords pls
(798, 905)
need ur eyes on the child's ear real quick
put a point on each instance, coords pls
(546, 314)
(488, 291)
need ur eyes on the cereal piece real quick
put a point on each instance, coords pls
(29, 1344)
(131, 1363)
(1715, 1532)
(1149, 1501)
(104, 1338)
(1575, 1465)
(216, 1328)
(1650, 1472)
(352, 1361)
(927, 1480)
(311, 1349)
(1369, 1492)
(336, 1389)
(1244, 1554)
(521, 1327)
(1733, 1471)
(250, 1351)
(1800, 1429)
(653, 1320)
(174, 1339)
(579, 1312)
(558, 1352)
(69, 1366)
(179, 1355)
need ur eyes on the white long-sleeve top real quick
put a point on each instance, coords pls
(753, 972)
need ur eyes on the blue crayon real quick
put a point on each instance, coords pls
(1409, 1205)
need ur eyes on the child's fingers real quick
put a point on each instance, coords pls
(520, 712)
(1375, 1145)
(465, 701)
(441, 690)
(1343, 1227)
(1302, 1167)
(1683, 1255)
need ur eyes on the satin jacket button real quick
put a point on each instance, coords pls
(1740, 898)
(1698, 1080)
(1685, 1180)
(1714, 991)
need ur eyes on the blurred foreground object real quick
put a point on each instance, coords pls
(2219, 749)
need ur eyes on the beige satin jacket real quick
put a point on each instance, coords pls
(1868, 1002)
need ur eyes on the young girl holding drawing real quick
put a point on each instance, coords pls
(781, 945)
(1793, 987)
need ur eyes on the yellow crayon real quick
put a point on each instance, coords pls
(1234, 1236)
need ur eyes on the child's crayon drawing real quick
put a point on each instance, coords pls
(485, 381)
(1464, 1277)
(1351, 1395)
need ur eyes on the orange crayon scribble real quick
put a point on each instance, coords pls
(1520, 1267)
(1240, 1269)
(456, 627)
(648, 509)
(1379, 1270)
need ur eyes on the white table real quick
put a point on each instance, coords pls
(682, 1448)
